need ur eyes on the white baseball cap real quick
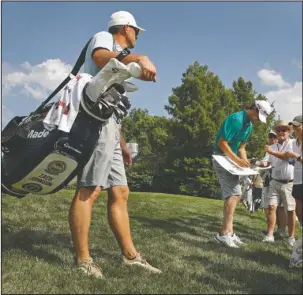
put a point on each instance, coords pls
(264, 108)
(297, 121)
(272, 132)
(123, 18)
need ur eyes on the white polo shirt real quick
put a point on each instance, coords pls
(281, 169)
(100, 40)
(298, 165)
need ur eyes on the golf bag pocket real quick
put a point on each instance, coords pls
(48, 175)
(29, 164)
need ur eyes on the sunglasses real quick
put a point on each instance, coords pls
(137, 31)
(282, 129)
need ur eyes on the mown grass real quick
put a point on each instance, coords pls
(175, 233)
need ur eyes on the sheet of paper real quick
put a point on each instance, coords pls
(232, 167)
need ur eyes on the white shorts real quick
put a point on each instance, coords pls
(281, 193)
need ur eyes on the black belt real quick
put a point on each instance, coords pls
(284, 180)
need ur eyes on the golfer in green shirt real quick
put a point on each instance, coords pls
(231, 141)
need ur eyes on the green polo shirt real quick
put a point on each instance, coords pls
(235, 129)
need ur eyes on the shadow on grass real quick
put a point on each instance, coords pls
(199, 231)
(252, 215)
(202, 225)
(208, 224)
(254, 282)
(31, 242)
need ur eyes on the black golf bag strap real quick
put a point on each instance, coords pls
(74, 72)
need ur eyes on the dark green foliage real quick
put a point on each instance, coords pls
(175, 153)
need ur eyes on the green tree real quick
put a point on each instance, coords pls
(197, 106)
(175, 154)
(151, 133)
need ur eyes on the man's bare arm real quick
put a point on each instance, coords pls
(148, 71)
(277, 154)
(127, 156)
(225, 148)
(242, 151)
(102, 56)
(122, 142)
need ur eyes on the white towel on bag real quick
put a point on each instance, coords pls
(64, 112)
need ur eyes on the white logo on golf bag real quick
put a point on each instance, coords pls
(35, 134)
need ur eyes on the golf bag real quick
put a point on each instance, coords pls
(37, 159)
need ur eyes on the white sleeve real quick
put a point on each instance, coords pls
(266, 158)
(102, 40)
(290, 146)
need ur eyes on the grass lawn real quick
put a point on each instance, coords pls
(175, 233)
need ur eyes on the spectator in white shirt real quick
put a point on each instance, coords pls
(297, 155)
(266, 176)
(282, 182)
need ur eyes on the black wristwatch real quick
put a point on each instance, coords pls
(299, 158)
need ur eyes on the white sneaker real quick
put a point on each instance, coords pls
(90, 268)
(227, 240)
(291, 241)
(141, 262)
(237, 240)
(269, 239)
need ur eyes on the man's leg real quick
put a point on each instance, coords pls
(299, 210)
(80, 220)
(297, 193)
(117, 212)
(94, 175)
(119, 221)
(271, 220)
(291, 217)
(290, 206)
(228, 213)
(265, 194)
(231, 192)
(266, 213)
(281, 218)
(273, 201)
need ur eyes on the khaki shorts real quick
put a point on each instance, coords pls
(265, 198)
(105, 167)
(229, 183)
(281, 193)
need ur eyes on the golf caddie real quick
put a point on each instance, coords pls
(231, 142)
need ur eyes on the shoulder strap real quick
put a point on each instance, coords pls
(74, 72)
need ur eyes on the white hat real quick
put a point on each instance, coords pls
(280, 123)
(297, 121)
(264, 108)
(123, 18)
